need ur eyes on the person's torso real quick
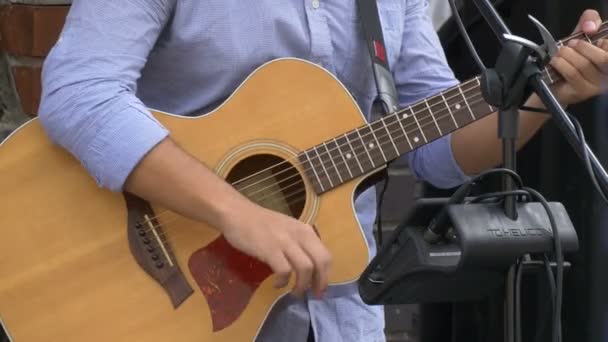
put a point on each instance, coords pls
(209, 47)
(207, 50)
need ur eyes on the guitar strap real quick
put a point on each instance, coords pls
(385, 84)
(386, 101)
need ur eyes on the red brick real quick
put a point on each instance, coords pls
(27, 82)
(29, 30)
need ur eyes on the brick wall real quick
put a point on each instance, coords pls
(28, 29)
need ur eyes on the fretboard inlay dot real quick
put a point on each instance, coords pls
(365, 148)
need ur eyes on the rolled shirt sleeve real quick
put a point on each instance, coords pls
(89, 82)
(422, 71)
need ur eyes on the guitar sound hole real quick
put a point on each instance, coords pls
(271, 182)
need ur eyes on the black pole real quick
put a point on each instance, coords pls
(493, 18)
(567, 128)
(508, 118)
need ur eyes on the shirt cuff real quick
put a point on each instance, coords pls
(435, 164)
(121, 145)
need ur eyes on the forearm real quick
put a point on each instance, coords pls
(168, 176)
(477, 147)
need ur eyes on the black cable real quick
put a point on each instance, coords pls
(556, 328)
(535, 110)
(586, 158)
(379, 209)
(491, 195)
(518, 275)
(465, 35)
(509, 172)
(555, 290)
(551, 307)
(437, 227)
(568, 129)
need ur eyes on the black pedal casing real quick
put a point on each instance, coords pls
(470, 266)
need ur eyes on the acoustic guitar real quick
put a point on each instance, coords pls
(80, 263)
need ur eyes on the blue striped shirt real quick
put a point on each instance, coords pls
(116, 58)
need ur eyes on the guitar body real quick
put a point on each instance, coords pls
(68, 273)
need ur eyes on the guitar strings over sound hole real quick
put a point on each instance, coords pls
(271, 182)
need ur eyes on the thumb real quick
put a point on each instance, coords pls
(589, 22)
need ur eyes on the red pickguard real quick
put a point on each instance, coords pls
(227, 278)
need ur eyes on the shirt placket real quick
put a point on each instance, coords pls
(321, 47)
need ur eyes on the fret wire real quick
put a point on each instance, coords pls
(314, 170)
(466, 103)
(360, 149)
(447, 105)
(354, 154)
(365, 147)
(403, 130)
(333, 163)
(390, 137)
(331, 184)
(455, 89)
(433, 116)
(377, 141)
(401, 127)
(419, 127)
(457, 92)
(430, 123)
(343, 158)
(442, 114)
(418, 124)
(550, 73)
(399, 141)
(479, 85)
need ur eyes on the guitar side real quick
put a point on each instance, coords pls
(66, 268)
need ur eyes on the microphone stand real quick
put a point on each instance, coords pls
(508, 113)
(506, 87)
(466, 249)
(515, 87)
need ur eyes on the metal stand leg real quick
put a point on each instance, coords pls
(509, 331)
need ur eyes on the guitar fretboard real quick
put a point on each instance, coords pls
(371, 146)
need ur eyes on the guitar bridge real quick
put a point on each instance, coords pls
(152, 252)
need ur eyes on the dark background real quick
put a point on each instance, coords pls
(548, 164)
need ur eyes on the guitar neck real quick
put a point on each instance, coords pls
(371, 146)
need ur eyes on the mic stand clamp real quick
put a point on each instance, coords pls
(506, 87)
(473, 246)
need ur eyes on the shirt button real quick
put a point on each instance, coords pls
(315, 4)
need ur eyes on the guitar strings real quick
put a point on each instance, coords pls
(372, 132)
(163, 234)
(474, 102)
(422, 121)
(323, 164)
(419, 103)
(360, 151)
(551, 73)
